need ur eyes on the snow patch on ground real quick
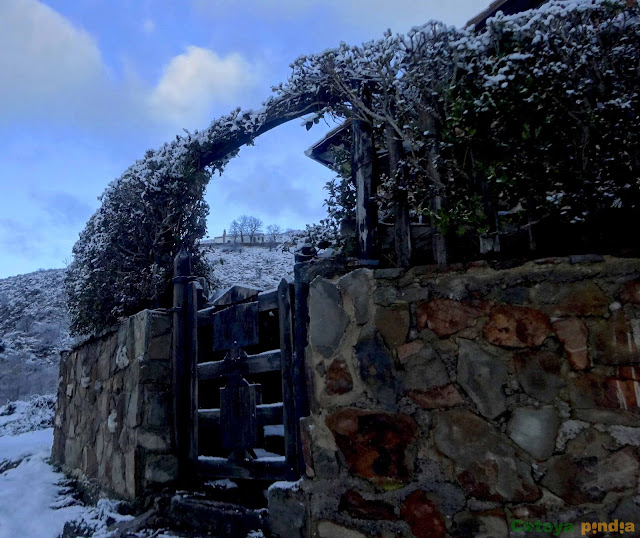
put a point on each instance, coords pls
(31, 492)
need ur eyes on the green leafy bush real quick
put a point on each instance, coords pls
(123, 260)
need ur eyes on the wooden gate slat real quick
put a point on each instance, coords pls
(268, 414)
(267, 300)
(270, 469)
(269, 361)
(236, 326)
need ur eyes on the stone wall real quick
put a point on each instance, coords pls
(470, 402)
(112, 422)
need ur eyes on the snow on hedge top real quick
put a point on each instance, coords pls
(332, 71)
(406, 72)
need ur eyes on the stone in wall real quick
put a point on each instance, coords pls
(535, 430)
(393, 325)
(424, 370)
(588, 480)
(339, 380)
(482, 376)
(573, 335)
(357, 506)
(560, 299)
(376, 367)
(616, 340)
(437, 397)
(516, 326)
(630, 293)
(446, 317)
(375, 446)
(582, 299)
(487, 467)
(540, 374)
(357, 285)
(421, 512)
(592, 391)
(328, 320)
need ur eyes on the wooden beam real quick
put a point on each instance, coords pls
(362, 155)
(269, 361)
(269, 469)
(401, 232)
(268, 414)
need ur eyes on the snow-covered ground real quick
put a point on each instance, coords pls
(34, 324)
(258, 267)
(35, 500)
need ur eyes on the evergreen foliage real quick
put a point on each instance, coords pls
(536, 115)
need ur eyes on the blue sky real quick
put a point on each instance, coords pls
(86, 86)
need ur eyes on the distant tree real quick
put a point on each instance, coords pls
(254, 226)
(243, 226)
(234, 230)
(273, 231)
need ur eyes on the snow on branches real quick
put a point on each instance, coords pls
(539, 109)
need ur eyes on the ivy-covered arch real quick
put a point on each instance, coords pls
(535, 115)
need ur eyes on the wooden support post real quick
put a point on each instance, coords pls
(439, 242)
(304, 399)
(184, 368)
(402, 232)
(362, 156)
(290, 380)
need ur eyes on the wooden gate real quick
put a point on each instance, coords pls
(237, 382)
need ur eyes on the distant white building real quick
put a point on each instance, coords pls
(228, 238)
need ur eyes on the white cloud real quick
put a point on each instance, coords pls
(44, 59)
(148, 26)
(195, 81)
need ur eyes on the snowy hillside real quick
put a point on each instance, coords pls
(34, 327)
(34, 324)
(258, 267)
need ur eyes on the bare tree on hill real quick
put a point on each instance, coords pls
(254, 226)
(245, 225)
(235, 230)
(273, 231)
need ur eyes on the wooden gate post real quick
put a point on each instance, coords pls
(291, 380)
(184, 367)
